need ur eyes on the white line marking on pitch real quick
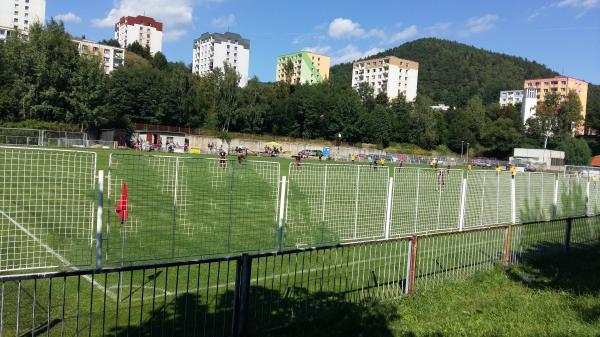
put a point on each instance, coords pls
(58, 256)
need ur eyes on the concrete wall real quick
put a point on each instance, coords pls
(289, 148)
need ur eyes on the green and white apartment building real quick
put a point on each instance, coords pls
(303, 67)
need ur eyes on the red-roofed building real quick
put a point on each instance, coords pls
(143, 29)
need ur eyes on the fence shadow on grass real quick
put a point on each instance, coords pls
(576, 272)
(296, 312)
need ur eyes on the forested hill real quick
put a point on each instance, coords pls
(451, 72)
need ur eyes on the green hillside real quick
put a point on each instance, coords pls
(451, 72)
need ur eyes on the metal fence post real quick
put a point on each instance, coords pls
(175, 183)
(281, 213)
(99, 220)
(241, 297)
(555, 200)
(324, 195)
(568, 234)
(463, 198)
(412, 264)
(587, 198)
(513, 202)
(356, 201)
(506, 247)
(388, 208)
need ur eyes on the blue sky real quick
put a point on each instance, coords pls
(563, 34)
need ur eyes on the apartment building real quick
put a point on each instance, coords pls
(390, 74)
(110, 57)
(304, 67)
(511, 97)
(145, 30)
(561, 85)
(19, 15)
(212, 50)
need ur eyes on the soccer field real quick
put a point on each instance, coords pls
(185, 206)
(188, 206)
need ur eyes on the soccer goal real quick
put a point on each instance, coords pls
(47, 207)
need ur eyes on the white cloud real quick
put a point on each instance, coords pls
(351, 53)
(585, 4)
(175, 14)
(341, 28)
(345, 28)
(439, 28)
(406, 33)
(223, 21)
(481, 24)
(68, 18)
(533, 16)
(323, 50)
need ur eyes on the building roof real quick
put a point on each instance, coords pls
(95, 43)
(140, 20)
(391, 58)
(552, 78)
(596, 161)
(225, 37)
(301, 52)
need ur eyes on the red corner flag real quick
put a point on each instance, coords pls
(121, 209)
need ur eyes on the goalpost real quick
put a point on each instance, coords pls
(46, 207)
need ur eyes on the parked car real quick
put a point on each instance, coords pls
(311, 153)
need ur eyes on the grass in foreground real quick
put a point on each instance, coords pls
(548, 296)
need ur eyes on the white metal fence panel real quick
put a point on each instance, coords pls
(487, 200)
(46, 208)
(571, 195)
(184, 206)
(335, 203)
(425, 200)
(534, 196)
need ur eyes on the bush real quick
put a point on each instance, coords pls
(44, 125)
(577, 151)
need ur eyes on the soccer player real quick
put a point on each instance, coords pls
(382, 161)
(353, 157)
(498, 169)
(442, 178)
(240, 157)
(298, 158)
(222, 159)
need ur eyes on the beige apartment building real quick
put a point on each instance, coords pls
(390, 74)
(561, 85)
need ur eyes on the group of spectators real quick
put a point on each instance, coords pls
(169, 146)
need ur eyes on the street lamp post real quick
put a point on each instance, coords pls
(468, 153)
(339, 135)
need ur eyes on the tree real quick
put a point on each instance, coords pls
(226, 96)
(110, 42)
(288, 72)
(159, 61)
(424, 123)
(556, 118)
(137, 48)
(577, 151)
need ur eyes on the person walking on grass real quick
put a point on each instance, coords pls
(222, 159)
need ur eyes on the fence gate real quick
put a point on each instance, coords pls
(47, 201)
